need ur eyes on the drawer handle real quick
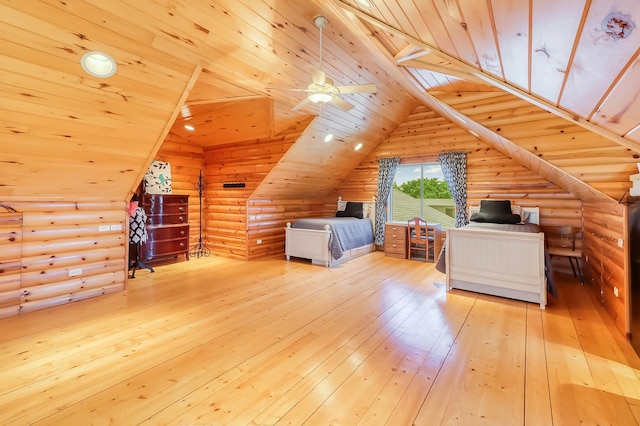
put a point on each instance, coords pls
(181, 244)
(181, 219)
(181, 209)
(182, 232)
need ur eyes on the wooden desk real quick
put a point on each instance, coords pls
(396, 237)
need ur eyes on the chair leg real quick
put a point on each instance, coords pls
(579, 272)
(577, 268)
(573, 269)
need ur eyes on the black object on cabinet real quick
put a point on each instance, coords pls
(634, 273)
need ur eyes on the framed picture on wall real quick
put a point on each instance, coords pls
(157, 180)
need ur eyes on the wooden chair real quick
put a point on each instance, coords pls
(418, 237)
(564, 244)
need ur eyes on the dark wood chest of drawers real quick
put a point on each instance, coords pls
(167, 226)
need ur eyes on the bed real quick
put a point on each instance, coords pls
(334, 240)
(506, 260)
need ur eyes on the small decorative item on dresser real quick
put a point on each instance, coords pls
(167, 226)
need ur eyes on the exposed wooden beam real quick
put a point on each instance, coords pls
(417, 63)
(490, 79)
(410, 52)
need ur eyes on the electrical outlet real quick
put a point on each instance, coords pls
(586, 259)
(615, 291)
(620, 242)
(75, 272)
(103, 228)
(259, 241)
(116, 227)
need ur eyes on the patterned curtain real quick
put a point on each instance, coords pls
(386, 172)
(454, 167)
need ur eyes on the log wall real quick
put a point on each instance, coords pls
(267, 220)
(68, 251)
(605, 265)
(10, 262)
(490, 174)
(233, 220)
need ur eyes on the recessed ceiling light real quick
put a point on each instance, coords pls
(364, 3)
(329, 137)
(357, 148)
(189, 127)
(98, 64)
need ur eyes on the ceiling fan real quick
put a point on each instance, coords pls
(322, 90)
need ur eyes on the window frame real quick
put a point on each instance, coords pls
(422, 162)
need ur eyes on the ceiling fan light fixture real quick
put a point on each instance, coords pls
(320, 98)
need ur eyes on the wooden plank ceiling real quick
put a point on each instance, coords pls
(578, 59)
(68, 135)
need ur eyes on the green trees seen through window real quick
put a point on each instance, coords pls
(432, 188)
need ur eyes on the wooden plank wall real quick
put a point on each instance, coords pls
(604, 267)
(186, 159)
(69, 251)
(232, 219)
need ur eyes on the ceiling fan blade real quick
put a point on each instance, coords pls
(357, 88)
(301, 104)
(341, 103)
(318, 77)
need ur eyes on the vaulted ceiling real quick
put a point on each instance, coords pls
(66, 134)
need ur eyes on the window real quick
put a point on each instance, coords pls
(420, 190)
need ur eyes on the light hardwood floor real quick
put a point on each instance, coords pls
(374, 341)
